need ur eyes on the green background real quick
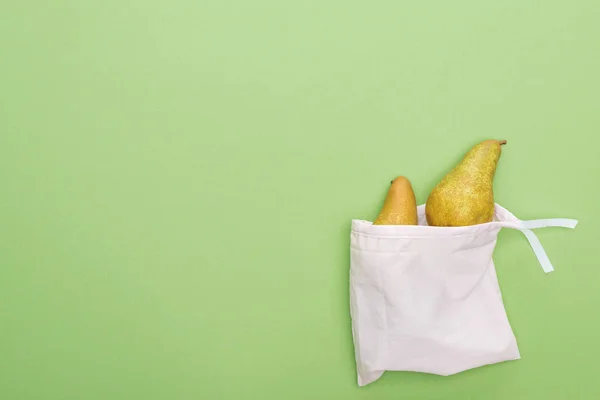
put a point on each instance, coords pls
(178, 179)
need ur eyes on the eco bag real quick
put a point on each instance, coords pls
(426, 299)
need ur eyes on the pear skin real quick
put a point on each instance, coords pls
(465, 196)
(400, 205)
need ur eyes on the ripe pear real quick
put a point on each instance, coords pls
(400, 205)
(465, 196)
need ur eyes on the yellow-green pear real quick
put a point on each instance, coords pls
(465, 196)
(400, 205)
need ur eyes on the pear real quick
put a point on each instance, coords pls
(465, 196)
(400, 205)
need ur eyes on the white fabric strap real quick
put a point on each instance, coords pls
(538, 249)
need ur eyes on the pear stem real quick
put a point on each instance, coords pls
(502, 142)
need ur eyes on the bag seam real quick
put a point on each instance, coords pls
(417, 237)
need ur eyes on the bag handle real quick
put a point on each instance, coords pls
(527, 226)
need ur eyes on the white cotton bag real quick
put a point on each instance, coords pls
(427, 299)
